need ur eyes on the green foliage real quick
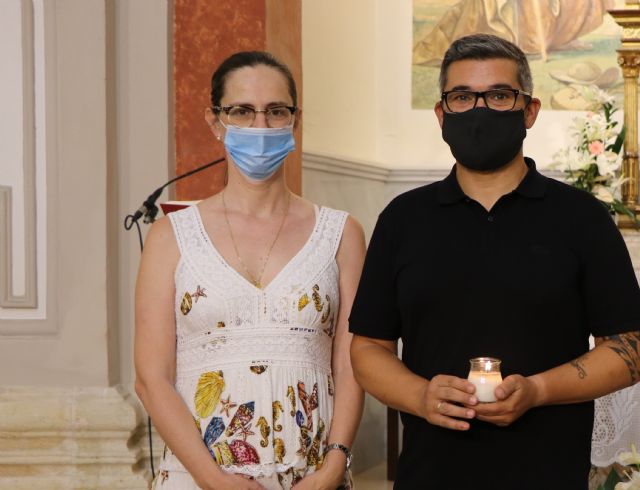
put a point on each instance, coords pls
(612, 480)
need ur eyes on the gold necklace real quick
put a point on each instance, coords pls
(256, 281)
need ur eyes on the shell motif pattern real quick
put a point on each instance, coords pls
(265, 431)
(186, 304)
(207, 396)
(317, 301)
(326, 314)
(258, 369)
(238, 451)
(279, 449)
(303, 301)
(305, 441)
(309, 402)
(200, 293)
(314, 458)
(241, 419)
(235, 452)
(214, 430)
(277, 410)
(291, 395)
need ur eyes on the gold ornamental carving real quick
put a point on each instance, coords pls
(629, 62)
(631, 33)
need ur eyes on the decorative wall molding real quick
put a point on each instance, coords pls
(69, 438)
(7, 297)
(383, 173)
(342, 166)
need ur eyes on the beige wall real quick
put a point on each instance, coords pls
(68, 347)
(106, 102)
(65, 420)
(357, 83)
(339, 78)
(141, 155)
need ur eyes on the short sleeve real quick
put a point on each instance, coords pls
(608, 281)
(375, 311)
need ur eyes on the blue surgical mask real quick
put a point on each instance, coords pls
(259, 152)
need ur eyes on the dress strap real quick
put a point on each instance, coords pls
(184, 223)
(334, 221)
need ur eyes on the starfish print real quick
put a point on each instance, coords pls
(226, 405)
(246, 431)
(199, 293)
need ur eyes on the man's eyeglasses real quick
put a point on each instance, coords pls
(243, 116)
(500, 99)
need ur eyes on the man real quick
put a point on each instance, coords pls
(496, 260)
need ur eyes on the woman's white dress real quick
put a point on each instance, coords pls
(254, 365)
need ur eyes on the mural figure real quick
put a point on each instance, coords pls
(536, 26)
(564, 40)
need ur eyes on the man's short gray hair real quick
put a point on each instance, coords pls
(487, 47)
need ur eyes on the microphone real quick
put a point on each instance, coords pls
(148, 207)
(149, 210)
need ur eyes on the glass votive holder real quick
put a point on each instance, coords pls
(484, 374)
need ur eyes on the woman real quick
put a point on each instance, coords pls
(242, 345)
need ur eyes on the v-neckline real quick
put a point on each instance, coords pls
(244, 280)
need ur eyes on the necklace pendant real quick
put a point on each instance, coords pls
(257, 284)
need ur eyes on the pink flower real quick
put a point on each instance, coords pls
(596, 147)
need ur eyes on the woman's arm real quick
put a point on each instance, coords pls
(348, 397)
(155, 361)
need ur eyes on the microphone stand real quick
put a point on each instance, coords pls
(148, 211)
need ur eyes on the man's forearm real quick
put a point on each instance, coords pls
(383, 375)
(614, 364)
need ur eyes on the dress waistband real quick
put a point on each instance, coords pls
(279, 344)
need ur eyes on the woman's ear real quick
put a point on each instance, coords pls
(212, 120)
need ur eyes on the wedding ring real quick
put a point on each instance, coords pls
(439, 405)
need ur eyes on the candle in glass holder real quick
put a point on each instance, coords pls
(485, 376)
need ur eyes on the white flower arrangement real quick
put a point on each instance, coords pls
(631, 461)
(594, 161)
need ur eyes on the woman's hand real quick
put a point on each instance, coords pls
(329, 477)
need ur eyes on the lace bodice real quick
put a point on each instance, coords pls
(254, 365)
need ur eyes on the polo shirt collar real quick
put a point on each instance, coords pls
(533, 185)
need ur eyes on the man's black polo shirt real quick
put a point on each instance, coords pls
(527, 283)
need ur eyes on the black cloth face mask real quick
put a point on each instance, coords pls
(483, 138)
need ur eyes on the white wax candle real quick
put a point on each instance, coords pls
(485, 384)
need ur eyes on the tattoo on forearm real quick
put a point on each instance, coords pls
(577, 363)
(627, 346)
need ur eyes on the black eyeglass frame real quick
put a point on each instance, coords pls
(227, 108)
(515, 91)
